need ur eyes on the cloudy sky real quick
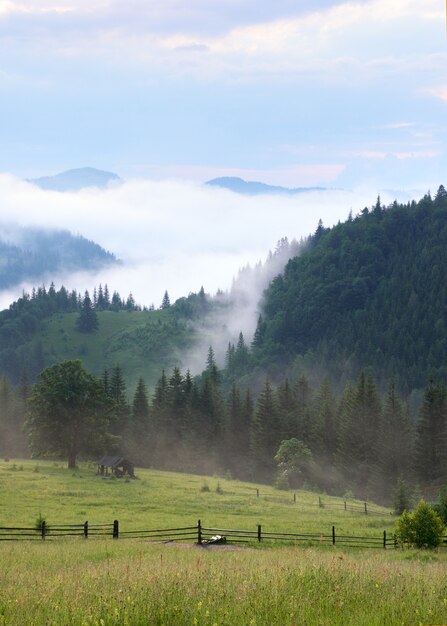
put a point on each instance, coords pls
(347, 95)
(295, 92)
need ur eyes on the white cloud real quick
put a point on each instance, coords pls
(439, 92)
(174, 235)
(336, 39)
(417, 154)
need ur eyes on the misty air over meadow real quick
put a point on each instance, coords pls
(223, 294)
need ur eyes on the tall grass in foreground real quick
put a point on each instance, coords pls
(106, 583)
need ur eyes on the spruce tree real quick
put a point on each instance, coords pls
(141, 436)
(166, 303)
(87, 321)
(431, 453)
(395, 446)
(264, 435)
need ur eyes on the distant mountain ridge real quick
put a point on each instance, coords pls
(250, 187)
(77, 179)
(32, 254)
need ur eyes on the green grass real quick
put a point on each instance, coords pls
(166, 499)
(141, 342)
(104, 582)
(108, 583)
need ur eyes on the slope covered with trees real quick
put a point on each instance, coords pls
(32, 254)
(371, 292)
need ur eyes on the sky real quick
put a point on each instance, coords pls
(291, 92)
(350, 96)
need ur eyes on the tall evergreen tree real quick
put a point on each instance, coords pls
(166, 303)
(141, 434)
(264, 435)
(87, 321)
(118, 393)
(395, 446)
(431, 459)
(358, 434)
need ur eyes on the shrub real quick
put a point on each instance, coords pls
(205, 487)
(421, 529)
(219, 488)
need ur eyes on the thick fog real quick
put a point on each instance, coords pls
(171, 235)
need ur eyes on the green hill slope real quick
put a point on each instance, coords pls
(371, 292)
(141, 342)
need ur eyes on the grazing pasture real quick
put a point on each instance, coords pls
(165, 499)
(104, 582)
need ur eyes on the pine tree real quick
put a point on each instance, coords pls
(358, 430)
(287, 409)
(166, 303)
(431, 453)
(395, 446)
(141, 434)
(118, 392)
(100, 303)
(259, 334)
(264, 435)
(212, 371)
(87, 321)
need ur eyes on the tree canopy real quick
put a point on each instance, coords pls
(69, 413)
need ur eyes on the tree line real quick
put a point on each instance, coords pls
(358, 440)
(22, 321)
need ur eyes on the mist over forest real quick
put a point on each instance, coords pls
(336, 341)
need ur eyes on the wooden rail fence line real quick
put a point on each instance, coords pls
(352, 507)
(198, 533)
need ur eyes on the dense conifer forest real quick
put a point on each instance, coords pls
(371, 292)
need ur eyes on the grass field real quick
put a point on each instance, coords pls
(103, 582)
(166, 499)
(141, 342)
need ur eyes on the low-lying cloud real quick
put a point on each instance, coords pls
(172, 235)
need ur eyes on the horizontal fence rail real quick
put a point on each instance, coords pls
(198, 533)
(362, 508)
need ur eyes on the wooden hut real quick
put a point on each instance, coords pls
(115, 465)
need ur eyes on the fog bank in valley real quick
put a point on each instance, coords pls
(175, 235)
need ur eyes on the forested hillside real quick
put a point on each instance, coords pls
(32, 254)
(371, 292)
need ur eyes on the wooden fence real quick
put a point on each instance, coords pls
(362, 508)
(198, 533)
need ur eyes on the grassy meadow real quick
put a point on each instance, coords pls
(165, 500)
(103, 582)
(141, 342)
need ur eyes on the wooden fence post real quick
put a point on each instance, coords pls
(384, 539)
(43, 529)
(259, 533)
(85, 530)
(115, 529)
(320, 504)
(366, 509)
(345, 505)
(257, 493)
(333, 535)
(199, 532)
(294, 498)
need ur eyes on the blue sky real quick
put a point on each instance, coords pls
(297, 93)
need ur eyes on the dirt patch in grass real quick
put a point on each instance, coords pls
(227, 547)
